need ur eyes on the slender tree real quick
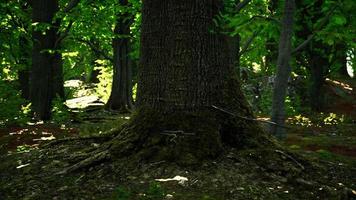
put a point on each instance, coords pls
(283, 70)
(189, 100)
(121, 92)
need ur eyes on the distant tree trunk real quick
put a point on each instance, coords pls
(46, 73)
(319, 67)
(283, 70)
(189, 101)
(24, 56)
(23, 73)
(121, 92)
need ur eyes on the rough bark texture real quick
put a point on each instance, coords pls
(283, 70)
(121, 92)
(186, 72)
(46, 74)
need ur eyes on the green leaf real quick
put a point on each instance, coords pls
(339, 20)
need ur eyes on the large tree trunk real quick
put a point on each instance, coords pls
(189, 98)
(46, 74)
(283, 70)
(121, 92)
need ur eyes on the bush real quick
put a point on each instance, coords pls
(14, 109)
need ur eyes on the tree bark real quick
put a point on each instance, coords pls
(319, 67)
(46, 80)
(121, 93)
(283, 70)
(188, 93)
(23, 72)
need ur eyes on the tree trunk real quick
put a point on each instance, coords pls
(319, 67)
(283, 70)
(121, 92)
(189, 101)
(235, 52)
(46, 80)
(23, 72)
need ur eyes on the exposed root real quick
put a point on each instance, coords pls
(291, 158)
(96, 158)
(104, 137)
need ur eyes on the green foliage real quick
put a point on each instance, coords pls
(23, 148)
(324, 154)
(60, 113)
(14, 109)
(121, 194)
(103, 88)
(155, 191)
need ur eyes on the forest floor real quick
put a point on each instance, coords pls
(318, 162)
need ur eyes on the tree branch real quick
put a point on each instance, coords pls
(311, 36)
(249, 41)
(246, 118)
(95, 49)
(63, 34)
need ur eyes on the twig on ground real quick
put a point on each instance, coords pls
(291, 158)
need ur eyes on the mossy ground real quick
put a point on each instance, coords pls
(237, 173)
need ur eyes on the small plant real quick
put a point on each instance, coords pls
(23, 148)
(301, 120)
(60, 113)
(103, 88)
(325, 154)
(14, 109)
(155, 191)
(121, 194)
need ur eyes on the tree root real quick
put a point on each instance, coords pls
(291, 158)
(58, 141)
(96, 158)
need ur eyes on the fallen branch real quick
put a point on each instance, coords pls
(98, 157)
(291, 158)
(58, 141)
(249, 119)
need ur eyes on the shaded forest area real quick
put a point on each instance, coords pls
(177, 99)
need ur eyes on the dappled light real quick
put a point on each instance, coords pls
(177, 100)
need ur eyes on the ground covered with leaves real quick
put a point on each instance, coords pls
(237, 174)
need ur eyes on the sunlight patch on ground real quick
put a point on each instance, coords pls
(82, 102)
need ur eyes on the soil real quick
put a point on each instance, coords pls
(243, 174)
(313, 171)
